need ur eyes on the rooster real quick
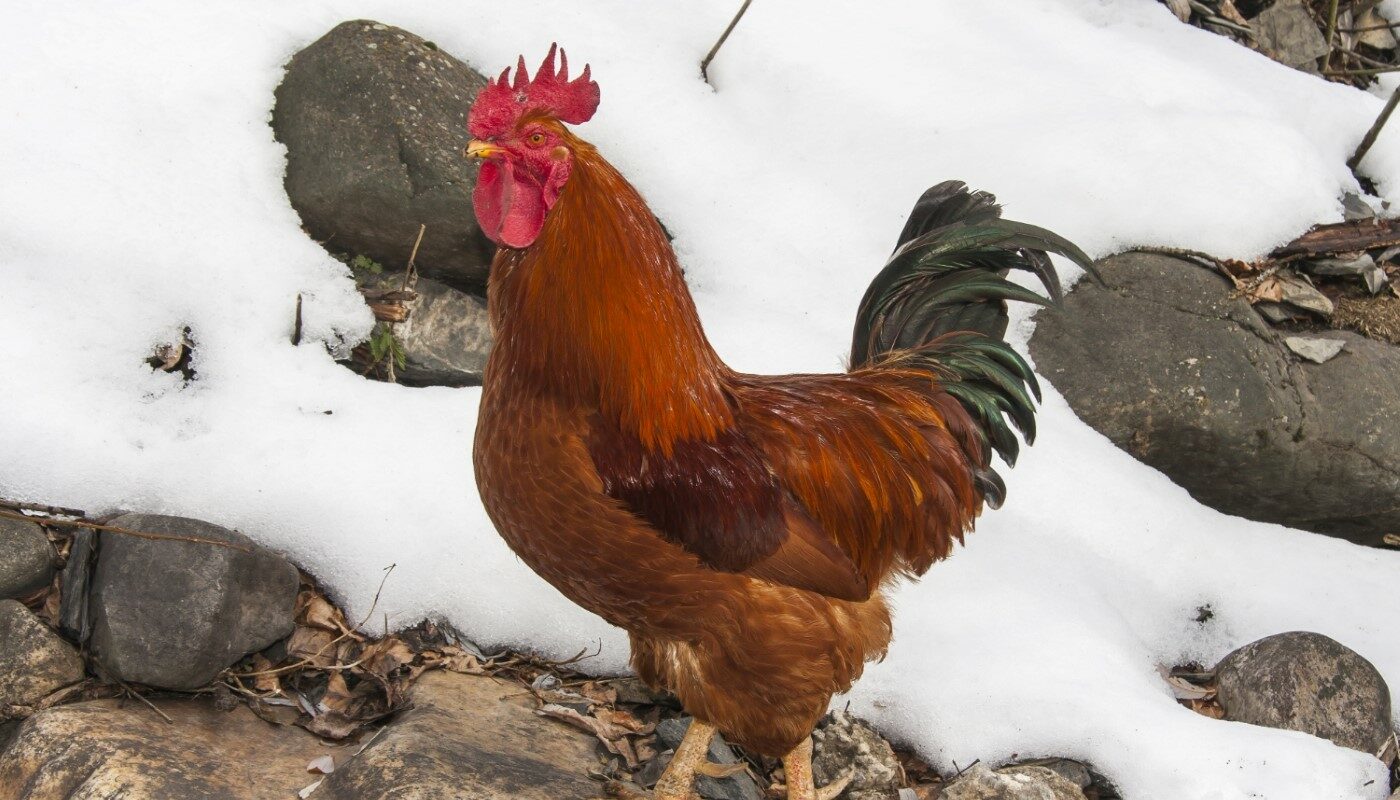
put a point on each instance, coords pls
(739, 527)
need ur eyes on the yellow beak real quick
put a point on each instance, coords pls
(480, 149)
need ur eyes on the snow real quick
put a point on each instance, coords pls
(141, 193)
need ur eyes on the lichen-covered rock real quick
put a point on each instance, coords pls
(844, 745)
(1192, 381)
(1307, 682)
(174, 614)
(26, 558)
(1014, 783)
(374, 120)
(34, 660)
(471, 737)
(115, 749)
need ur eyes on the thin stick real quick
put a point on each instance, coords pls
(1331, 26)
(153, 706)
(44, 509)
(1359, 72)
(126, 531)
(408, 270)
(1375, 131)
(296, 324)
(705, 64)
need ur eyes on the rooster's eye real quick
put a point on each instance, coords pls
(536, 138)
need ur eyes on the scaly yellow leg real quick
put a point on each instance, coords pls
(678, 781)
(801, 785)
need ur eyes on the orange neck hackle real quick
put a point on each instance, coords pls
(596, 312)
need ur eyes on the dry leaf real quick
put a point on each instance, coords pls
(315, 610)
(386, 655)
(312, 644)
(306, 791)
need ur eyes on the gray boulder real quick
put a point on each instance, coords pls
(1012, 783)
(468, 736)
(1307, 682)
(174, 614)
(446, 337)
(374, 120)
(843, 745)
(26, 558)
(34, 660)
(1165, 364)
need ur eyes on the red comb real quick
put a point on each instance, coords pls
(503, 101)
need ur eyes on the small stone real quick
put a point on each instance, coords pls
(26, 558)
(739, 786)
(1355, 208)
(1013, 783)
(174, 614)
(1287, 32)
(446, 337)
(845, 745)
(1307, 682)
(123, 749)
(1298, 293)
(1314, 349)
(471, 737)
(34, 661)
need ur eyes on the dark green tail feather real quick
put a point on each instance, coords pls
(939, 304)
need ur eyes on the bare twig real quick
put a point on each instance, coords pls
(408, 270)
(133, 693)
(1370, 137)
(705, 63)
(126, 531)
(296, 324)
(43, 509)
(1333, 73)
(1257, 281)
(1331, 26)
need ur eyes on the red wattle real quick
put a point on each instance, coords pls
(509, 208)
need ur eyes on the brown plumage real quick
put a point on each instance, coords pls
(739, 527)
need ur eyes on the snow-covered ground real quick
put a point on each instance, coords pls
(140, 192)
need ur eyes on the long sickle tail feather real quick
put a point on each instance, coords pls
(939, 305)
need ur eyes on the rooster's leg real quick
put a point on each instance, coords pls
(801, 785)
(678, 781)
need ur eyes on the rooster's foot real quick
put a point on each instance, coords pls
(801, 785)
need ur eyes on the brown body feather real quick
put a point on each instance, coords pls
(739, 527)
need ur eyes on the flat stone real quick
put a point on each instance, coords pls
(173, 614)
(1303, 681)
(26, 558)
(1013, 783)
(1315, 349)
(110, 749)
(471, 737)
(34, 661)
